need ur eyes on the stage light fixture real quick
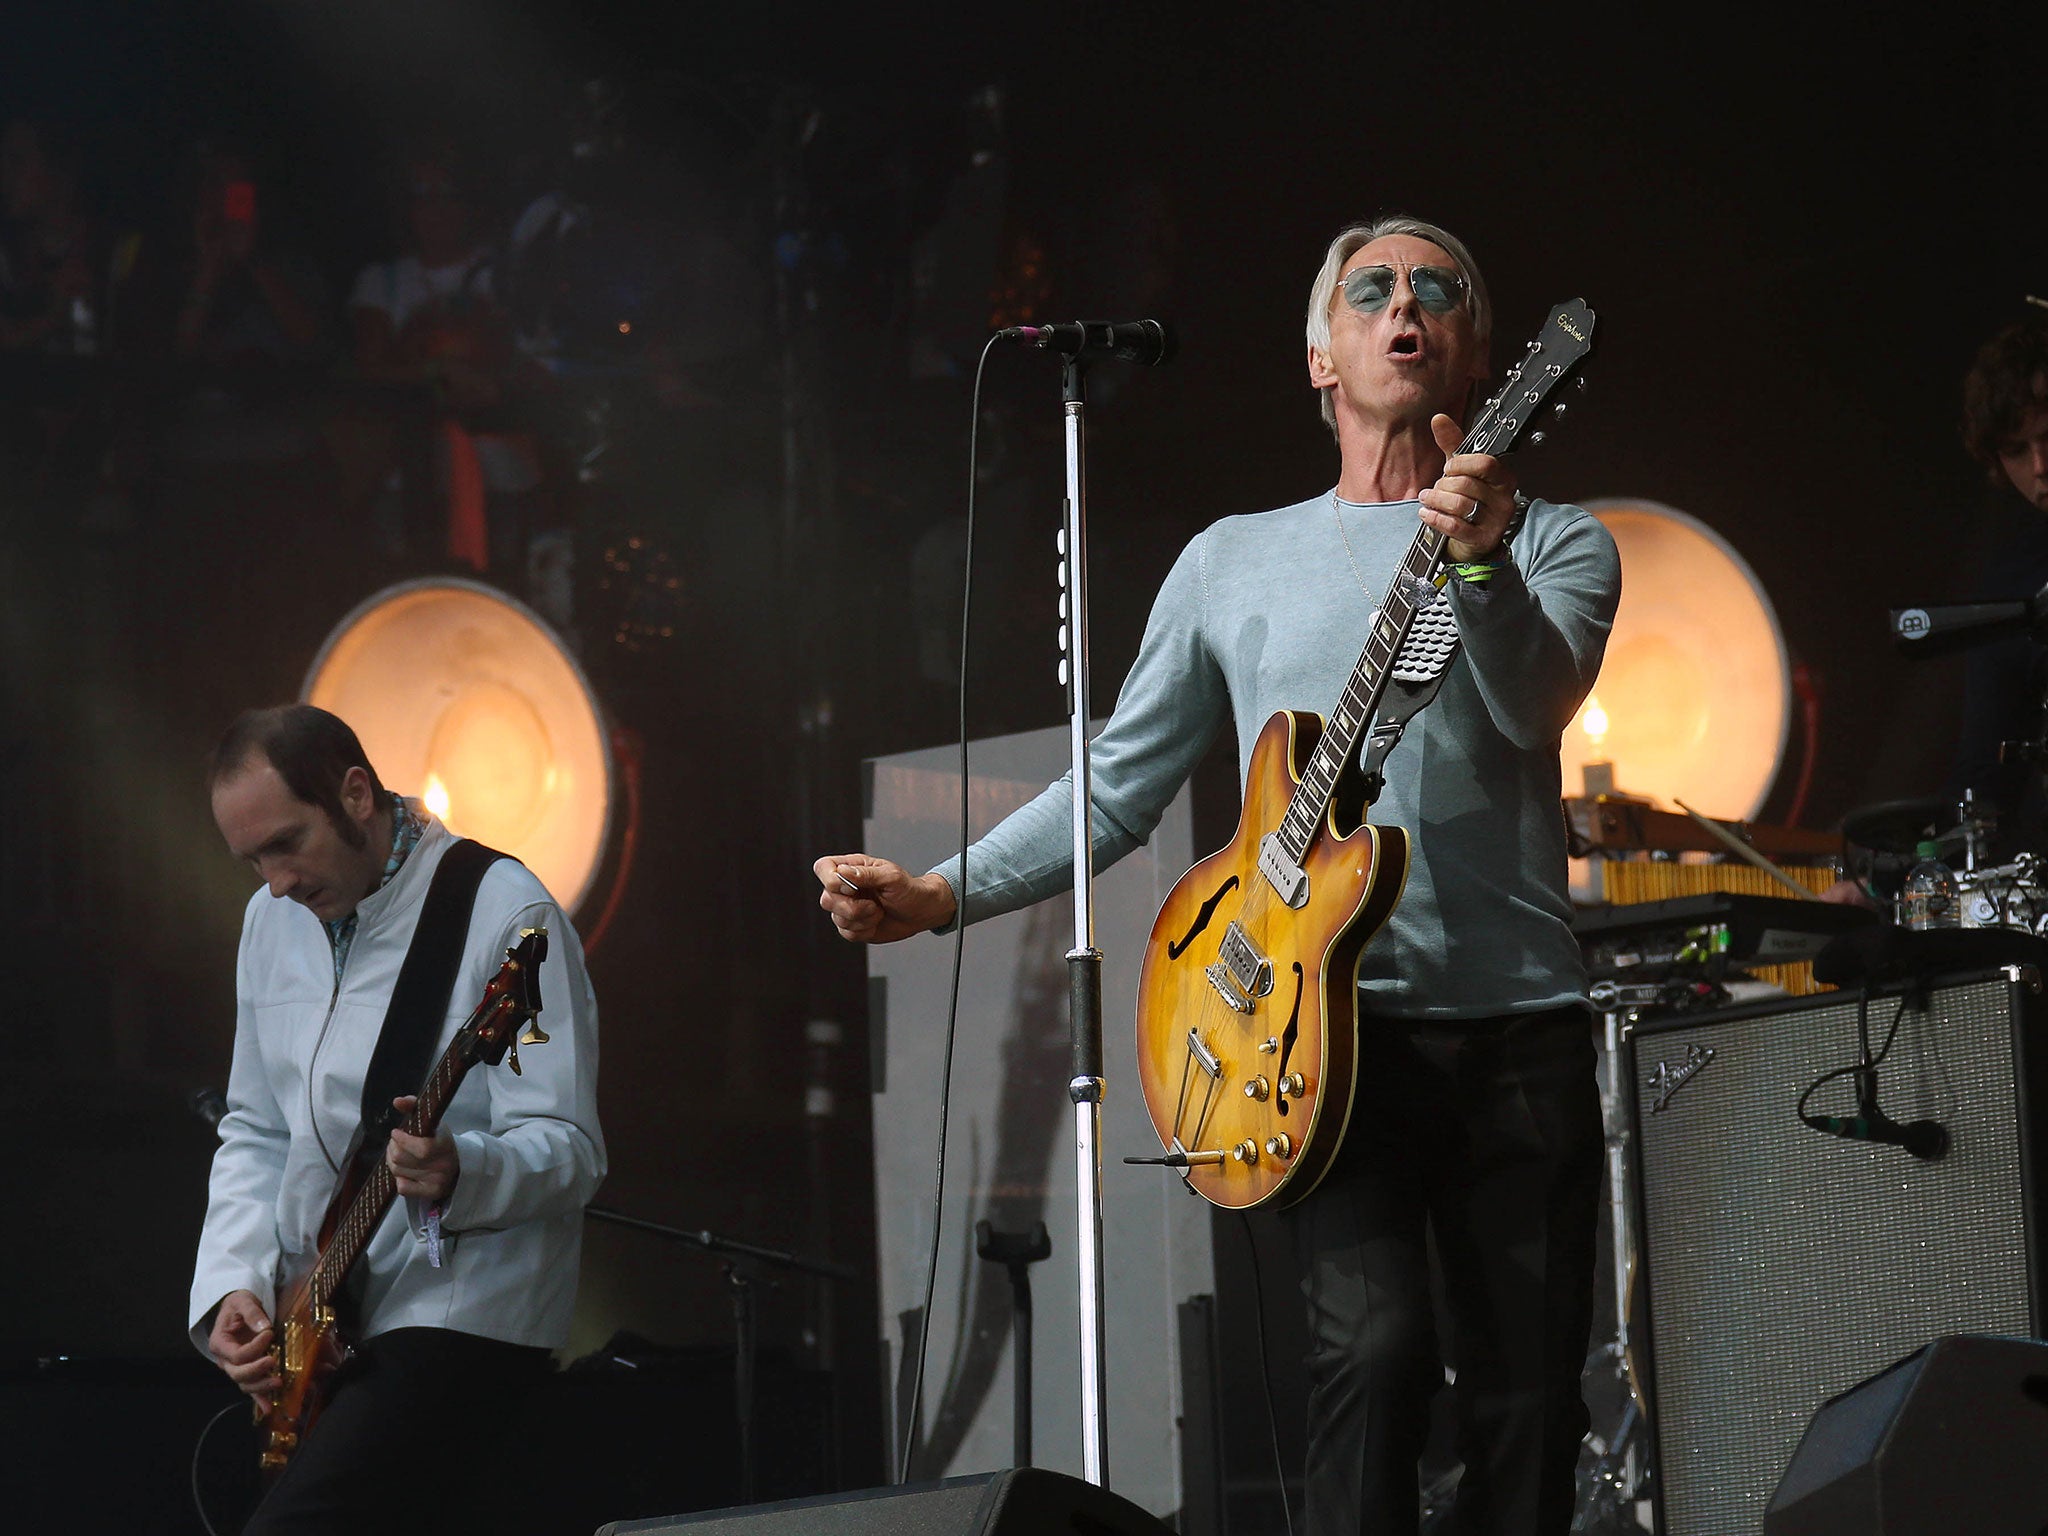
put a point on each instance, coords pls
(465, 697)
(1694, 700)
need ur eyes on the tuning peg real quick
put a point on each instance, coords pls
(512, 1057)
(1581, 383)
(533, 1033)
(1535, 438)
(1557, 409)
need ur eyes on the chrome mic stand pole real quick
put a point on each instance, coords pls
(1084, 960)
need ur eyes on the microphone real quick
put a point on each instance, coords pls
(1145, 342)
(1925, 1139)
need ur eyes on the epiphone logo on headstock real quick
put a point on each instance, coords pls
(1571, 330)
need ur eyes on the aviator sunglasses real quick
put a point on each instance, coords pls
(1370, 289)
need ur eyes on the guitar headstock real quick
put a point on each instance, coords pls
(510, 1001)
(1516, 411)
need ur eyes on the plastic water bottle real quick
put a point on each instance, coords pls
(1930, 898)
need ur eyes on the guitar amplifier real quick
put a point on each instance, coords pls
(1781, 1265)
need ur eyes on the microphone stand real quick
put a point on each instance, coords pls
(746, 1329)
(1084, 961)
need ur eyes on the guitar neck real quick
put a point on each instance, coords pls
(353, 1232)
(1367, 685)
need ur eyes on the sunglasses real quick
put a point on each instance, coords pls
(1371, 289)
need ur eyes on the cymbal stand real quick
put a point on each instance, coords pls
(1609, 1490)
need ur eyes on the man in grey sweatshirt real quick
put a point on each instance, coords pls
(1476, 1121)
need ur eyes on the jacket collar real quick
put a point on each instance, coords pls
(409, 885)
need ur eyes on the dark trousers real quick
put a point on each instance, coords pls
(419, 1420)
(1486, 1136)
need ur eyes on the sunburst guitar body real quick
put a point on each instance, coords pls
(1248, 998)
(1247, 1006)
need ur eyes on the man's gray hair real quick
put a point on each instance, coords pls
(1349, 241)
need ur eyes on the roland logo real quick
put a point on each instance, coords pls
(1569, 329)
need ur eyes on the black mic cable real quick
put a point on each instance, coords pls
(1927, 1140)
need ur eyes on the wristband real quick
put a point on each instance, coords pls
(1478, 572)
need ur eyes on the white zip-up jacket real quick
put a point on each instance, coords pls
(531, 1152)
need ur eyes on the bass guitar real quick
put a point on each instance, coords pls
(311, 1342)
(1248, 997)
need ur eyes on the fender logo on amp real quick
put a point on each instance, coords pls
(1667, 1079)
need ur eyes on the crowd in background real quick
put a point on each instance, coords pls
(205, 371)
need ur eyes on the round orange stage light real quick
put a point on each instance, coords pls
(465, 697)
(1694, 700)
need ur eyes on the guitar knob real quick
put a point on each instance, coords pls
(1246, 1152)
(1292, 1086)
(1257, 1088)
(1281, 1145)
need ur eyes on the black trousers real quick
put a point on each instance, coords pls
(1485, 1135)
(420, 1422)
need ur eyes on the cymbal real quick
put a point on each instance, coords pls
(1900, 826)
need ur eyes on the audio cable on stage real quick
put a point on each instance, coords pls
(198, 1449)
(931, 1278)
(1266, 1371)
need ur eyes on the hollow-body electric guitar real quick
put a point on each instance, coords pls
(311, 1341)
(1248, 999)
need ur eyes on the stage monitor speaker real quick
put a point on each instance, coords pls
(1019, 1501)
(1952, 1438)
(1780, 1265)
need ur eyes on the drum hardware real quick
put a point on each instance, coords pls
(1616, 1479)
(2011, 895)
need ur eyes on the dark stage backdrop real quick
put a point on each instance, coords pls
(1795, 240)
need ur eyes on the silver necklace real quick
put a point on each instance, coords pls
(1337, 510)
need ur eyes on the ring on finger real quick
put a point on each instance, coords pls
(1473, 515)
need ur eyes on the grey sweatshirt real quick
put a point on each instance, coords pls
(1266, 612)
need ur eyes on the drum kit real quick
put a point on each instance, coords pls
(2013, 894)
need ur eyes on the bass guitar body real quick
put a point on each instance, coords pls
(310, 1345)
(1248, 998)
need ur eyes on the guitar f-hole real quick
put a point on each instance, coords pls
(1292, 1032)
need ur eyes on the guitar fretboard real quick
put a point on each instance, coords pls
(1412, 586)
(359, 1223)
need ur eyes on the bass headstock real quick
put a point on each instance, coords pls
(1517, 410)
(512, 1000)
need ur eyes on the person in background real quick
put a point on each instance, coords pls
(2005, 429)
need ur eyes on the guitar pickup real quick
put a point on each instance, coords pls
(1226, 987)
(1252, 971)
(1281, 872)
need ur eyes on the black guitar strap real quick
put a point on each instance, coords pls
(426, 981)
